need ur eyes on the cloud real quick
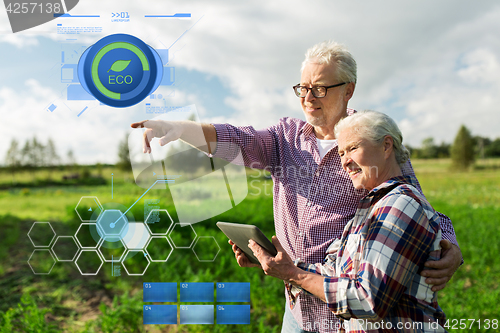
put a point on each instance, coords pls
(443, 74)
(18, 40)
(468, 95)
(480, 67)
(407, 55)
(25, 114)
(431, 66)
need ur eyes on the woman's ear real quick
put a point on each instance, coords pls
(388, 146)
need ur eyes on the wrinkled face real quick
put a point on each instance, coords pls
(328, 110)
(363, 160)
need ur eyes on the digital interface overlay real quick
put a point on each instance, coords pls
(98, 67)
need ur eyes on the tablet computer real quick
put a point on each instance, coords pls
(240, 234)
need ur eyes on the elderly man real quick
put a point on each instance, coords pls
(313, 197)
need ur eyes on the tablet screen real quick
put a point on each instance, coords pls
(240, 234)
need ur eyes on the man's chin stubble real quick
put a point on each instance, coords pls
(316, 121)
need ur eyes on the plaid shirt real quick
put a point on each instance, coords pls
(313, 198)
(373, 270)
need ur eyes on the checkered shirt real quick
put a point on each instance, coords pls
(313, 198)
(372, 272)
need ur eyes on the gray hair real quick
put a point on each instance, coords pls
(375, 126)
(330, 52)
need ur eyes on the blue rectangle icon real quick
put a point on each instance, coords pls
(197, 314)
(233, 314)
(233, 292)
(52, 107)
(69, 73)
(168, 78)
(75, 92)
(159, 314)
(197, 292)
(159, 292)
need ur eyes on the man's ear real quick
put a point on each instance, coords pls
(349, 91)
(388, 146)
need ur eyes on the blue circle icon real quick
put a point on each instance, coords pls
(120, 70)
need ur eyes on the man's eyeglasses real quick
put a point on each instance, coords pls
(318, 91)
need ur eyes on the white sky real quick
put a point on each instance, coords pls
(431, 65)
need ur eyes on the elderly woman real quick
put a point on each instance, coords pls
(370, 277)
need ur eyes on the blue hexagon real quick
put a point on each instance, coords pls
(112, 222)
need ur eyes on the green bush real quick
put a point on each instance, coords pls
(27, 317)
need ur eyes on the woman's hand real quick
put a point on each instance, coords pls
(281, 266)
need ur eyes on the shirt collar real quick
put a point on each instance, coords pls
(388, 185)
(308, 129)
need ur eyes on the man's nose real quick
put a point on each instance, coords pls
(309, 96)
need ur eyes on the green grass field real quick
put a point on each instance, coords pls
(66, 301)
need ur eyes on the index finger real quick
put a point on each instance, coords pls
(139, 124)
(234, 247)
(442, 264)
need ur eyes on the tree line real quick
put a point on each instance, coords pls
(463, 151)
(35, 154)
(482, 147)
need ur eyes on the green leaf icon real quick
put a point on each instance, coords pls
(119, 65)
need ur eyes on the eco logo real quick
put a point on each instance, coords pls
(120, 70)
(28, 14)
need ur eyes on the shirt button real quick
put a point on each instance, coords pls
(300, 233)
(317, 173)
(308, 204)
